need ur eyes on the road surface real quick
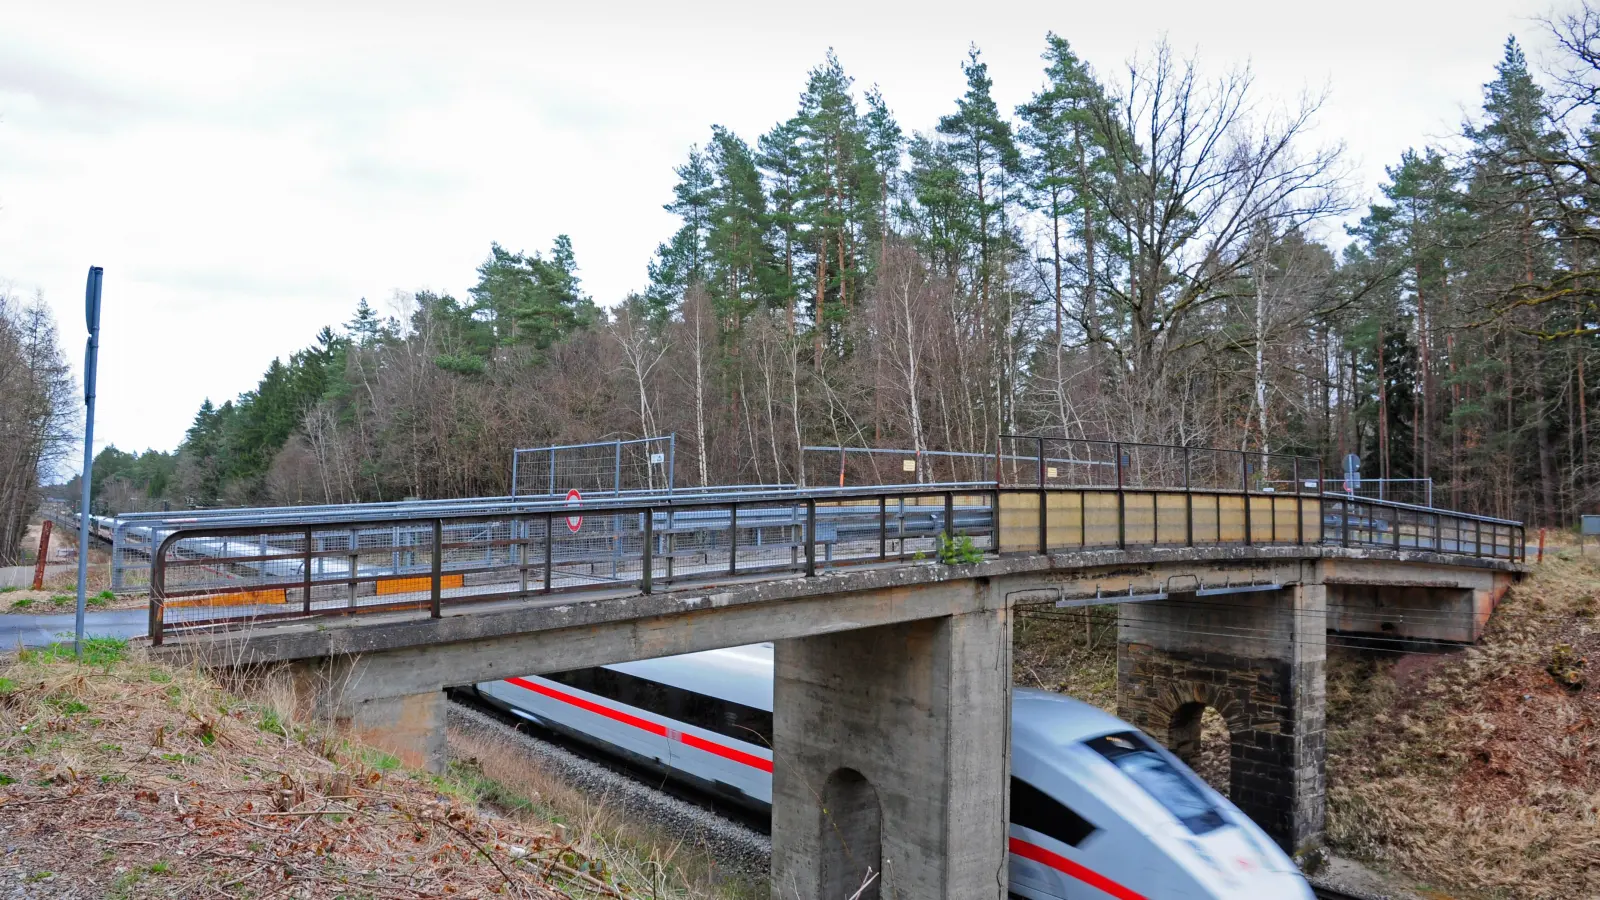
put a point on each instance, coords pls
(38, 631)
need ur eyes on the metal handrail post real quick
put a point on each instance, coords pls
(883, 527)
(158, 594)
(1188, 500)
(733, 539)
(355, 558)
(305, 582)
(1299, 506)
(522, 554)
(811, 537)
(1044, 503)
(994, 521)
(949, 517)
(1244, 485)
(647, 554)
(549, 552)
(1122, 517)
(436, 600)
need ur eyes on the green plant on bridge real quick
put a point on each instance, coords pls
(958, 551)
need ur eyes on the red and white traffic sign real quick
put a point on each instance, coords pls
(573, 500)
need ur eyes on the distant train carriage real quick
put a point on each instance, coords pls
(1098, 810)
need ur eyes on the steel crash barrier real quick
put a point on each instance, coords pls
(1049, 495)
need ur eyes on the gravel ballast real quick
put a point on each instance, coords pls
(732, 844)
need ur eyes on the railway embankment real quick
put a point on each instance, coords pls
(122, 778)
(1475, 773)
(1465, 773)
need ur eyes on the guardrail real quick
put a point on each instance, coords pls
(1149, 496)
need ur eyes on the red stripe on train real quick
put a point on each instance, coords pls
(1061, 864)
(617, 715)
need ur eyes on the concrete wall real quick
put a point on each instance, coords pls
(902, 733)
(1258, 659)
(1418, 602)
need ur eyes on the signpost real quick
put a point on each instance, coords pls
(1352, 473)
(91, 356)
(574, 522)
(44, 553)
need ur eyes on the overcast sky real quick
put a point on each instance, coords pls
(246, 172)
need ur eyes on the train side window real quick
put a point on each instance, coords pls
(1035, 810)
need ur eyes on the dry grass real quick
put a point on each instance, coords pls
(126, 779)
(1476, 773)
(1070, 652)
(515, 782)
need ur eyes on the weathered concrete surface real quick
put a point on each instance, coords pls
(1259, 660)
(885, 749)
(1425, 602)
(409, 726)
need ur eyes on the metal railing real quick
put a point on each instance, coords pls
(1064, 496)
(237, 575)
(135, 535)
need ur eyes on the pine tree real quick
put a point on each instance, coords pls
(739, 261)
(782, 161)
(986, 152)
(681, 262)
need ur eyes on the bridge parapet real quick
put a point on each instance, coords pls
(1069, 496)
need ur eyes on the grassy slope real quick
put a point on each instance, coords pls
(119, 778)
(1476, 772)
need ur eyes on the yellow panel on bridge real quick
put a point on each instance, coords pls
(237, 598)
(1089, 519)
(423, 583)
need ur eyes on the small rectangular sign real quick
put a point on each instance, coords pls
(1591, 524)
(908, 465)
(657, 459)
(1050, 472)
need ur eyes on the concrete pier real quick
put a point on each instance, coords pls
(1256, 658)
(890, 760)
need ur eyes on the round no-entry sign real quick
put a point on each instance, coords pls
(574, 522)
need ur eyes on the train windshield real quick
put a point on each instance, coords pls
(1139, 759)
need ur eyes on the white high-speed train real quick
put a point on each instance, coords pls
(1098, 810)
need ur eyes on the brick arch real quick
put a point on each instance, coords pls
(1176, 707)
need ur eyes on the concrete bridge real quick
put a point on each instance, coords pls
(893, 657)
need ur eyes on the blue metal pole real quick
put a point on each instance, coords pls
(91, 304)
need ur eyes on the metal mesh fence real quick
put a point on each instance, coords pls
(1065, 462)
(605, 467)
(859, 466)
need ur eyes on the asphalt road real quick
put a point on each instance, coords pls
(38, 631)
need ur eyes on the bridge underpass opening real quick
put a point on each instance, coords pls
(1203, 739)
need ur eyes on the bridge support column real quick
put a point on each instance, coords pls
(891, 754)
(1258, 659)
(411, 727)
